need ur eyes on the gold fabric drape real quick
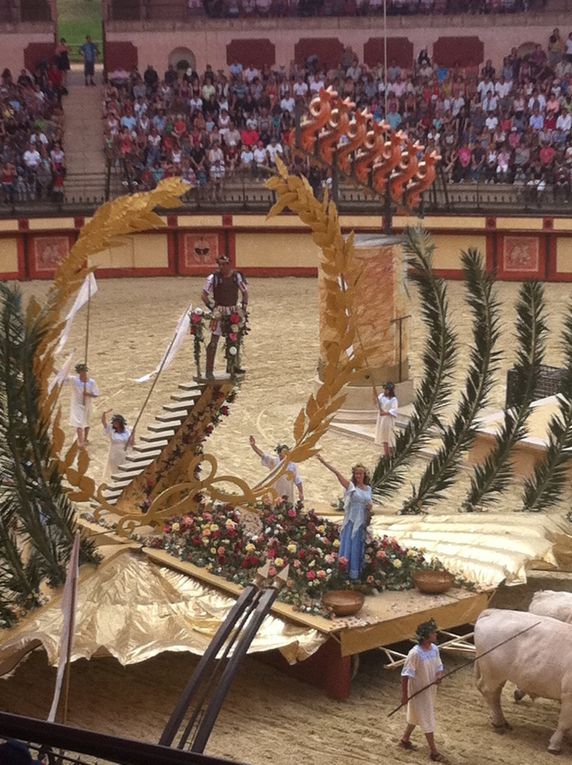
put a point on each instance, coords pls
(135, 609)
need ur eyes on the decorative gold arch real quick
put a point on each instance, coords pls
(131, 214)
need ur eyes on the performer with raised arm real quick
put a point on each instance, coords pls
(284, 485)
(221, 295)
(120, 438)
(84, 390)
(357, 515)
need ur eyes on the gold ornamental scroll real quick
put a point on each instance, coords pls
(383, 300)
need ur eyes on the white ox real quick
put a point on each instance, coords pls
(558, 605)
(538, 661)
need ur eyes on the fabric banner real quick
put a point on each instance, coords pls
(60, 378)
(87, 291)
(182, 330)
(69, 601)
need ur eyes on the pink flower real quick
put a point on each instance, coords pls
(381, 554)
(272, 571)
(296, 564)
(292, 513)
(221, 551)
(310, 575)
(233, 337)
(343, 562)
(321, 574)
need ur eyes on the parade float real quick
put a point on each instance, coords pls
(170, 543)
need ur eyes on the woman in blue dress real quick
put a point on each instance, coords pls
(357, 514)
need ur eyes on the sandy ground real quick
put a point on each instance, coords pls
(269, 717)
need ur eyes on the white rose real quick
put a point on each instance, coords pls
(232, 351)
(198, 311)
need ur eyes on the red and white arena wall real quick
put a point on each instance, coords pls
(515, 248)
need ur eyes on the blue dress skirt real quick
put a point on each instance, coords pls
(352, 536)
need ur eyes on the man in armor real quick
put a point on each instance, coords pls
(221, 295)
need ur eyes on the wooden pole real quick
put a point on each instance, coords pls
(462, 666)
(152, 388)
(87, 334)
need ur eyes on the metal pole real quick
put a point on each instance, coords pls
(385, 58)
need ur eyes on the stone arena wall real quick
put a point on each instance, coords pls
(515, 248)
(463, 40)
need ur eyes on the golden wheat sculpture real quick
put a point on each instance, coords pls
(132, 214)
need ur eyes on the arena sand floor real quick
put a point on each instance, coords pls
(268, 717)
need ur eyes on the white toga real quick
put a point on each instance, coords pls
(80, 412)
(117, 450)
(422, 667)
(284, 486)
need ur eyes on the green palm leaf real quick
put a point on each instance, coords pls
(439, 355)
(544, 488)
(458, 437)
(492, 477)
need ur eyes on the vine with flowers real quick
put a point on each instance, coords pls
(197, 328)
(216, 538)
(234, 328)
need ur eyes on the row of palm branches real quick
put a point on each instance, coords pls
(37, 519)
(494, 475)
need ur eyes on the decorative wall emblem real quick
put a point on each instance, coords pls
(200, 250)
(521, 253)
(49, 252)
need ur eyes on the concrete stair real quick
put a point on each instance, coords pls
(151, 444)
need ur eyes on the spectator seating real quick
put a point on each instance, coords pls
(506, 124)
(32, 162)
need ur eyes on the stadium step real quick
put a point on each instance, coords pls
(161, 427)
(173, 416)
(145, 455)
(159, 439)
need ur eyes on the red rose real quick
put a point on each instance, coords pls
(234, 318)
(233, 337)
(310, 575)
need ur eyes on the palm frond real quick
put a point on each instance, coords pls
(35, 512)
(458, 437)
(544, 488)
(439, 355)
(492, 477)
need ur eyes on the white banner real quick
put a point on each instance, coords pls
(60, 377)
(87, 291)
(181, 332)
(69, 603)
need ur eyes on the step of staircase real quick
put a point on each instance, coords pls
(126, 473)
(173, 416)
(120, 483)
(161, 427)
(186, 397)
(159, 439)
(190, 386)
(146, 449)
(144, 457)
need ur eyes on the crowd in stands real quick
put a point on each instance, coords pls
(506, 125)
(31, 131)
(265, 8)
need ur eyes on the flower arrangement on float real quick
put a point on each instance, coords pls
(217, 539)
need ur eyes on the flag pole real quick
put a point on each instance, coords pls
(87, 333)
(154, 383)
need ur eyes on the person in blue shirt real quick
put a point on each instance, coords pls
(90, 52)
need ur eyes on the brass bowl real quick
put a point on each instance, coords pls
(432, 582)
(343, 602)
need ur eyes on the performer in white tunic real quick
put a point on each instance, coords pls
(83, 390)
(422, 667)
(284, 485)
(387, 412)
(120, 438)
